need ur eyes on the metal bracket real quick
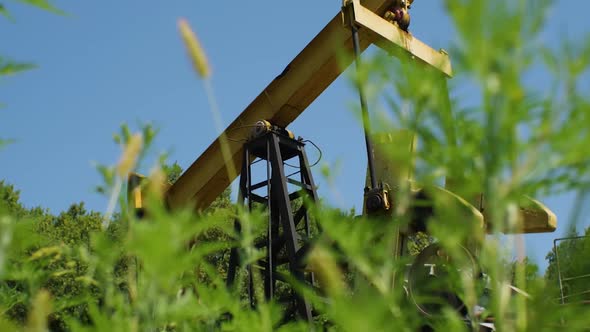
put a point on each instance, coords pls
(347, 5)
(393, 39)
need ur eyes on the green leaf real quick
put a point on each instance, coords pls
(43, 4)
(4, 12)
(8, 67)
(5, 142)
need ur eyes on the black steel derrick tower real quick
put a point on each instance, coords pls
(288, 230)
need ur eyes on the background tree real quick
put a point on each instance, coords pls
(45, 256)
(573, 262)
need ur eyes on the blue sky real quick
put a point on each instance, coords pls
(113, 62)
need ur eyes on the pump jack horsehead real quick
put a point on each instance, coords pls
(358, 25)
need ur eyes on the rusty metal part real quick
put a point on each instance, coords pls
(377, 201)
(398, 13)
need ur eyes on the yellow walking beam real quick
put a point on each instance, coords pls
(533, 217)
(400, 43)
(285, 98)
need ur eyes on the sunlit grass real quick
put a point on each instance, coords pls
(166, 272)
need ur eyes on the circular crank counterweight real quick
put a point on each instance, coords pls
(434, 279)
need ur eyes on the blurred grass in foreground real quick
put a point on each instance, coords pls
(167, 272)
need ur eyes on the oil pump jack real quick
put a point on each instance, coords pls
(358, 25)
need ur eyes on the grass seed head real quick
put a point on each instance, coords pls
(157, 184)
(129, 156)
(41, 308)
(194, 49)
(330, 277)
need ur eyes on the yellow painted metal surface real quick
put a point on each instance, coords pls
(537, 218)
(389, 36)
(134, 192)
(533, 217)
(394, 154)
(394, 165)
(281, 102)
(302, 81)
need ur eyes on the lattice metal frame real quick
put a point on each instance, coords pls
(285, 244)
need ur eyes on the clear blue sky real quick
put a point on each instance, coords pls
(111, 62)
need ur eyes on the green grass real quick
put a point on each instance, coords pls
(67, 272)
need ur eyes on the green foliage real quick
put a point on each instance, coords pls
(9, 200)
(167, 271)
(4, 142)
(43, 254)
(573, 262)
(41, 4)
(509, 140)
(417, 242)
(172, 172)
(9, 67)
(3, 11)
